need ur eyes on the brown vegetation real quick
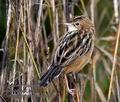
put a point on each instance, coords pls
(32, 32)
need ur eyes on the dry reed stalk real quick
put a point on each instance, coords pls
(114, 63)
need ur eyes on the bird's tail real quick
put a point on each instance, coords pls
(49, 75)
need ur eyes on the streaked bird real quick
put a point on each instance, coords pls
(73, 50)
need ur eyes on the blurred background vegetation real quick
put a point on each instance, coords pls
(29, 32)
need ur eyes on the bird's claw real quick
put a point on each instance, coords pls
(71, 91)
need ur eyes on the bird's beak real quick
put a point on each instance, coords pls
(71, 27)
(68, 24)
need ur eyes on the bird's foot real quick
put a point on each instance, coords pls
(71, 91)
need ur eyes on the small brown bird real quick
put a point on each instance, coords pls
(73, 51)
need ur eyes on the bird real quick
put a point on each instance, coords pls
(73, 50)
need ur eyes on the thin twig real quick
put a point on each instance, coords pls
(114, 63)
(100, 93)
(31, 55)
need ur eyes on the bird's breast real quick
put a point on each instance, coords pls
(78, 64)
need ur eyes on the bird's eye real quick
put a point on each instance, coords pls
(77, 24)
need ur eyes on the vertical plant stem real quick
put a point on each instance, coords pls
(94, 78)
(16, 53)
(114, 63)
(92, 10)
(83, 7)
(115, 3)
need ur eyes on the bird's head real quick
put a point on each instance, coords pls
(78, 23)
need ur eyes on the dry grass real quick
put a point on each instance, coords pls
(32, 31)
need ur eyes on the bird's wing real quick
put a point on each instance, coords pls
(72, 45)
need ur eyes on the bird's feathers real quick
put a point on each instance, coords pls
(52, 72)
(75, 44)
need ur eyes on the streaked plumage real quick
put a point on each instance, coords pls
(73, 50)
